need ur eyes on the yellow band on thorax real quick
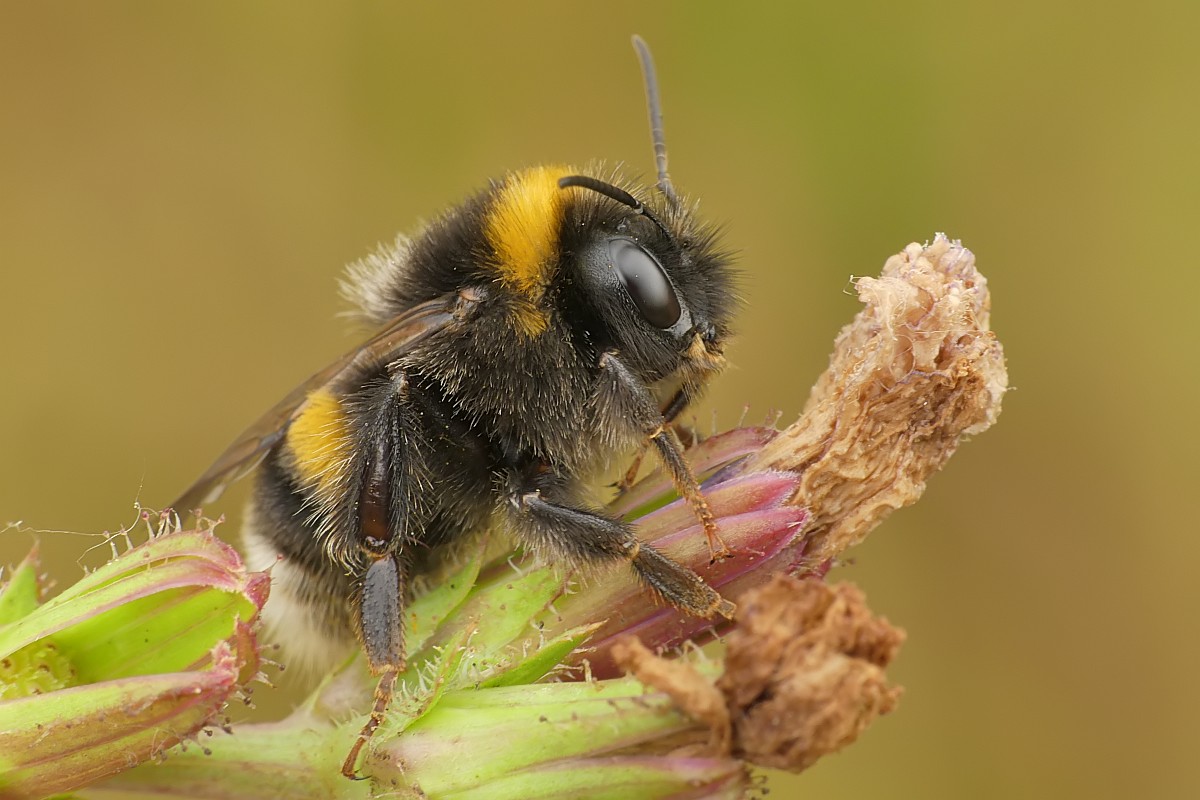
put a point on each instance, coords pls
(522, 226)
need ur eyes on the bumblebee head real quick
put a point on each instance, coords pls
(647, 280)
(627, 267)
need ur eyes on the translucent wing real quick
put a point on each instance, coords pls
(241, 457)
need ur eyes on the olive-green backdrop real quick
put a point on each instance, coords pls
(180, 186)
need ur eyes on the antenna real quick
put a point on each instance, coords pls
(613, 193)
(656, 123)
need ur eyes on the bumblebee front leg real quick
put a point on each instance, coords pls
(634, 401)
(674, 407)
(539, 518)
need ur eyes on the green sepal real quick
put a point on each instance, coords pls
(21, 591)
(617, 778)
(65, 739)
(547, 657)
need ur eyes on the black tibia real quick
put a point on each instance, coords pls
(542, 516)
(381, 623)
(641, 409)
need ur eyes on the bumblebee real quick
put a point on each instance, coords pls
(551, 322)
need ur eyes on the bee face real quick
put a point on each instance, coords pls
(545, 325)
(659, 292)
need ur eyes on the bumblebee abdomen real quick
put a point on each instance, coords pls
(310, 592)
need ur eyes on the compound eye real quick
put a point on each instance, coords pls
(646, 281)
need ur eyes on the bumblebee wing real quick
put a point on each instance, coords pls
(241, 457)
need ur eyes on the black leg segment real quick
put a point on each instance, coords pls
(633, 396)
(541, 516)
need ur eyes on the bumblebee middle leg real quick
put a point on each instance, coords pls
(542, 517)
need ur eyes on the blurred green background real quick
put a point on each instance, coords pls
(180, 186)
